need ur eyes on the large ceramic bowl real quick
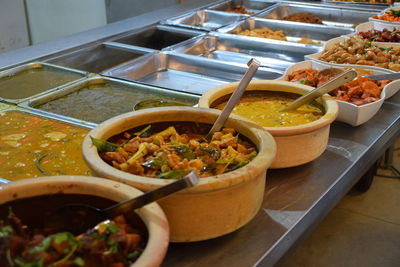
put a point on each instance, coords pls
(296, 145)
(152, 215)
(218, 204)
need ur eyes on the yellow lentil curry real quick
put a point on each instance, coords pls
(32, 146)
(264, 108)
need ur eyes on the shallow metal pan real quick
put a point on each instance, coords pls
(293, 31)
(330, 15)
(252, 6)
(185, 73)
(102, 99)
(273, 54)
(97, 58)
(8, 75)
(157, 37)
(206, 20)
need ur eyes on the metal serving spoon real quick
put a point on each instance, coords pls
(236, 95)
(336, 82)
(78, 218)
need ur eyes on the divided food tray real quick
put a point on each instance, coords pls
(293, 31)
(206, 20)
(97, 99)
(185, 73)
(251, 6)
(157, 37)
(240, 49)
(98, 58)
(331, 16)
(29, 80)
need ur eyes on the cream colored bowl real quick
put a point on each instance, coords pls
(218, 204)
(296, 145)
(152, 215)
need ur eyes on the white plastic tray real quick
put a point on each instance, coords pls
(332, 42)
(348, 112)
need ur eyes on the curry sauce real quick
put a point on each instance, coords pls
(264, 108)
(32, 146)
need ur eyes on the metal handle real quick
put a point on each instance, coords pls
(187, 181)
(236, 95)
(336, 82)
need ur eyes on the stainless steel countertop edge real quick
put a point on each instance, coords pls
(322, 207)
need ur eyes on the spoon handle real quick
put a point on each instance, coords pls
(187, 181)
(336, 82)
(236, 95)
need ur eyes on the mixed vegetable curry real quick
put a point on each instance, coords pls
(169, 154)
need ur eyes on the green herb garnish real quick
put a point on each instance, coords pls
(185, 152)
(144, 132)
(103, 146)
(175, 174)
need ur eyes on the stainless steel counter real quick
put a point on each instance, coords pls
(296, 199)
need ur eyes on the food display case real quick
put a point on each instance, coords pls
(178, 53)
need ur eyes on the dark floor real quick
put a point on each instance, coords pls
(362, 230)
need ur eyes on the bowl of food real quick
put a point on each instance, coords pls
(387, 19)
(150, 148)
(139, 238)
(301, 135)
(358, 100)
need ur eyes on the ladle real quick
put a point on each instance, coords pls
(236, 95)
(78, 218)
(336, 82)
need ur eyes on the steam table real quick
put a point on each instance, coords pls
(296, 199)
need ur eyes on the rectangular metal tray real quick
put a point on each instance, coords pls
(293, 31)
(272, 54)
(330, 15)
(185, 73)
(252, 6)
(98, 58)
(206, 20)
(157, 37)
(97, 100)
(47, 86)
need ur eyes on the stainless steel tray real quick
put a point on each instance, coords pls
(293, 31)
(157, 37)
(352, 4)
(98, 98)
(272, 54)
(98, 58)
(185, 73)
(252, 6)
(206, 20)
(330, 15)
(43, 86)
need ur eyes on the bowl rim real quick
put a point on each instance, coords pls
(328, 102)
(152, 215)
(265, 156)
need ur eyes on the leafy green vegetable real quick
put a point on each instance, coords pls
(154, 163)
(78, 261)
(133, 255)
(112, 227)
(38, 263)
(174, 174)
(103, 146)
(6, 231)
(395, 12)
(144, 132)
(237, 166)
(185, 152)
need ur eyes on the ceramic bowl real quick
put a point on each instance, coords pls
(152, 215)
(379, 24)
(348, 112)
(218, 204)
(296, 145)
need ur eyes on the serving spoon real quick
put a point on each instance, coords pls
(78, 218)
(332, 84)
(253, 65)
